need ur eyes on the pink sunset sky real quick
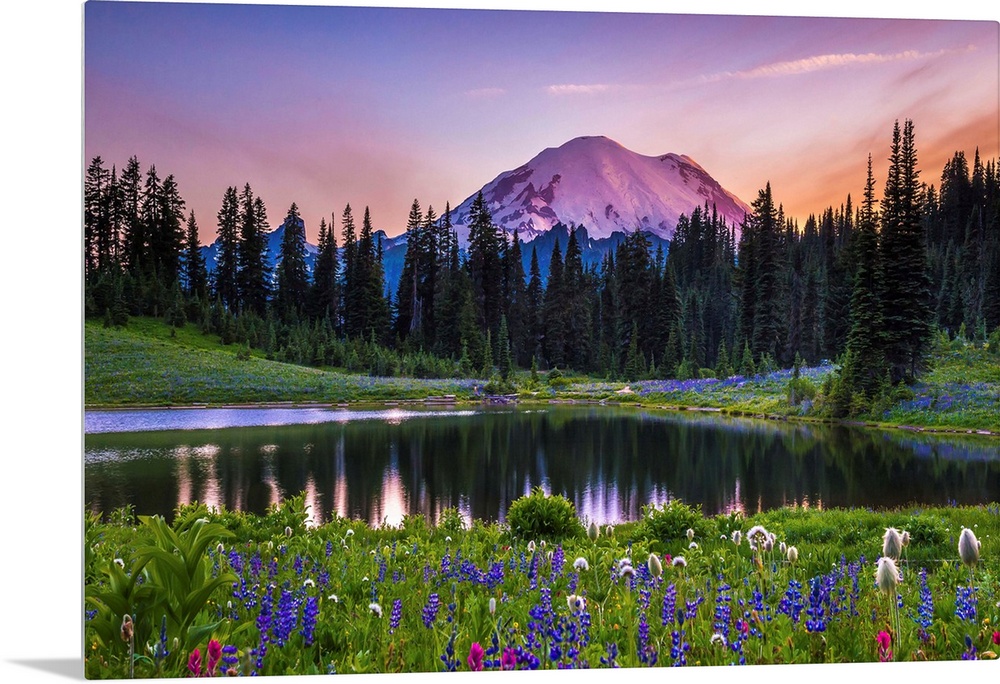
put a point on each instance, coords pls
(322, 106)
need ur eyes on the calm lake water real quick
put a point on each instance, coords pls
(381, 465)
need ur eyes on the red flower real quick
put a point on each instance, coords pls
(884, 642)
(475, 659)
(214, 654)
(194, 663)
(996, 637)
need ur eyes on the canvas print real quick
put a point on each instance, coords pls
(433, 340)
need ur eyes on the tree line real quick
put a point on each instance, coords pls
(863, 285)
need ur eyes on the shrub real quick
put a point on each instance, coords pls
(671, 521)
(539, 516)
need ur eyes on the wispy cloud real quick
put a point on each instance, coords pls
(579, 89)
(827, 62)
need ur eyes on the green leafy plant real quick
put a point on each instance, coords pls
(540, 516)
(671, 521)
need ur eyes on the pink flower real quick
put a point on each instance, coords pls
(508, 660)
(996, 638)
(884, 642)
(194, 663)
(214, 654)
(475, 659)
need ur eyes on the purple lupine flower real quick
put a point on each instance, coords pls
(431, 610)
(396, 615)
(309, 615)
(669, 605)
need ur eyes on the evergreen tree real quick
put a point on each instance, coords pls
(517, 305)
(409, 304)
(227, 259)
(253, 274)
(195, 275)
(485, 268)
(325, 290)
(554, 311)
(906, 310)
(863, 342)
(536, 301)
(292, 277)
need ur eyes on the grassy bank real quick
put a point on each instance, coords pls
(149, 363)
(272, 595)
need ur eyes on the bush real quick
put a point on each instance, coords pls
(538, 516)
(671, 522)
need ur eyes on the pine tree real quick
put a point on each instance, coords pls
(906, 309)
(325, 290)
(536, 300)
(227, 259)
(554, 311)
(485, 268)
(517, 305)
(195, 275)
(292, 277)
(863, 341)
(253, 274)
(409, 306)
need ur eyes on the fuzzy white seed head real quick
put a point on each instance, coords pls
(220, 548)
(608, 530)
(693, 545)
(793, 554)
(531, 546)
(308, 583)
(654, 565)
(493, 605)
(581, 564)
(737, 537)
(447, 539)
(623, 562)
(541, 544)
(690, 534)
(593, 531)
(334, 598)
(350, 532)
(887, 575)
(679, 562)
(288, 531)
(892, 543)
(905, 538)
(628, 572)
(768, 545)
(120, 563)
(968, 547)
(718, 640)
(375, 608)
(782, 548)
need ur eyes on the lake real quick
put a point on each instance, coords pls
(380, 465)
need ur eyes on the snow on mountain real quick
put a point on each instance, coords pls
(593, 181)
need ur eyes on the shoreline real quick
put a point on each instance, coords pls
(441, 402)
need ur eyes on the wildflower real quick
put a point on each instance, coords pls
(350, 532)
(627, 572)
(508, 661)
(194, 663)
(757, 536)
(996, 637)
(375, 608)
(769, 544)
(718, 639)
(531, 546)
(493, 606)
(608, 529)
(396, 616)
(905, 538)
(334, 598)
(892, 543)
(887, 575)
(968, 547)
(214, 655)
(793, 554)
(737, 537)
(654, 565)
(308, 583)
(693, 545)
(782, 548)
(475, 658)
(447, 539)
(581, 564)
(593, 531)
(690, 534)
(288, 531)
(679, 562)
(884, 642)
(120, 563)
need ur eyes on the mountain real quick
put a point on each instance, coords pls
(594, 182)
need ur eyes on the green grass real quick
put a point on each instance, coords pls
(149, 364)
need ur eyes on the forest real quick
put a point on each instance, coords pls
(865, 284)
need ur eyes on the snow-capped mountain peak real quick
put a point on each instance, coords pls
(595, 182)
